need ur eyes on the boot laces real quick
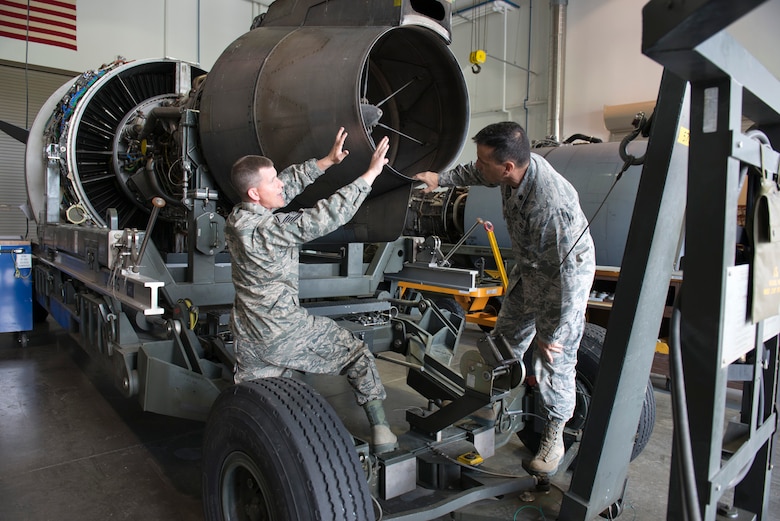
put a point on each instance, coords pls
(549, 441)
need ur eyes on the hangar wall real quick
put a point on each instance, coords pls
(603, 62)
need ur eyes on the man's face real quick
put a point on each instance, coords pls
(268, 191)
(492, 172)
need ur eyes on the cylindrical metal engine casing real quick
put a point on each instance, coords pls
(284, 91)
(591, 169)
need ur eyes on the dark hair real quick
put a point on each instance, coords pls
(245, 171)
(508, 141)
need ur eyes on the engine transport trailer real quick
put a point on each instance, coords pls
(127, 174)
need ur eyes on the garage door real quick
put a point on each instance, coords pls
(24, 92)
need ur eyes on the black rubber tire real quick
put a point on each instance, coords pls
(588, 358)
(493, 306)
(275, 450)
(451, 305)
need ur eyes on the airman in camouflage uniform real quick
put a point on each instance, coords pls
(553, 272)
(273, 334)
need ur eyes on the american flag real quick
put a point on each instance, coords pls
(51, 22)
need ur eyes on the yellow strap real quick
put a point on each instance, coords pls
(496, 254)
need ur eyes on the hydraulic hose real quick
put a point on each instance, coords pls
(574, 137)
(682, 431)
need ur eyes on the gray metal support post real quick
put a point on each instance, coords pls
(727, 83)
(651, 250)
(710, 249)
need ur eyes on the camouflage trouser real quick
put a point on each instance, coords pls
(557, 380)
(318, 346)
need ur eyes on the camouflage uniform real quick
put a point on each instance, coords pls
(548, 290)
(274, 335)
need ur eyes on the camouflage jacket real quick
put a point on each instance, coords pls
(544, 220)
(264, 247)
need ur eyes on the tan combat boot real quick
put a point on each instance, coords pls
(382, 438)
(551, 450)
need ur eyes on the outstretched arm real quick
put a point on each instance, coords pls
(328, 214)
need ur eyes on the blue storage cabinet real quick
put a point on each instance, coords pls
(16, 298)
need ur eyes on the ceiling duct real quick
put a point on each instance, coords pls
(480, 9)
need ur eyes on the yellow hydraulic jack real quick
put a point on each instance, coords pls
(481, 303)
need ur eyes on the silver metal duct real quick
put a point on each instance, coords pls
(557, 63)
(590, 168)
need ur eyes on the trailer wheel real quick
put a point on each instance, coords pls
(492, 307)
(588, 358)
(451, 305)
(275, 450)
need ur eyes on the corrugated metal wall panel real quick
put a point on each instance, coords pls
(16, 108)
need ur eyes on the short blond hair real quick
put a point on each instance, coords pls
(245, 172)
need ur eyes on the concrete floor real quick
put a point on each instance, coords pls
(72, 448)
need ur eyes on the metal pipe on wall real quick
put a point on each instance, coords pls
(528, 64)
(557, 62)
(503, 87)
(165, 28)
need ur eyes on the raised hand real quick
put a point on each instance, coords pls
(337, 152)
(378, 161)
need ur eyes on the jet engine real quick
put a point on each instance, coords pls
(128, 176)
(113, 139)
